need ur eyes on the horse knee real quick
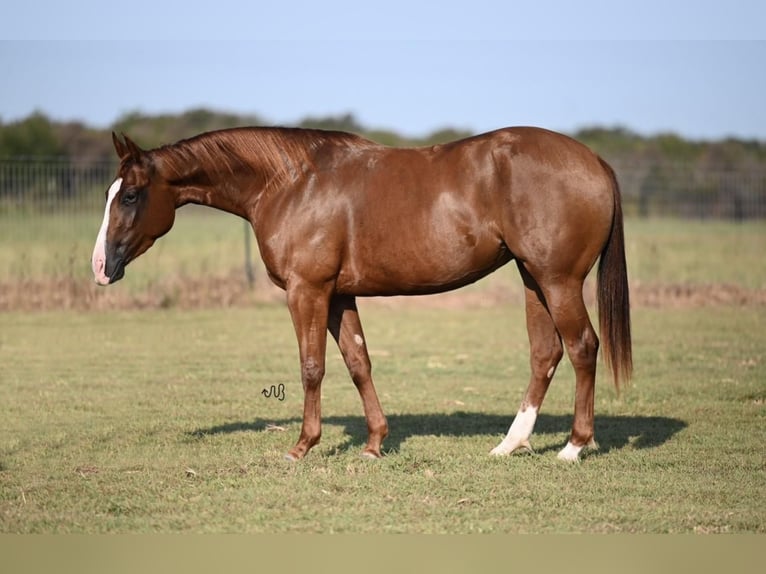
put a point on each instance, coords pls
(357, 361)
(359, 368)
(312, 372)
(545, 360)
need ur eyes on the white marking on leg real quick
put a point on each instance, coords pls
(570, 452)
(98, 260)
(550, 372)
(358, 340)
(519, 433)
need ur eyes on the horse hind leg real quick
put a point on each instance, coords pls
(570, 316)
(545, 353)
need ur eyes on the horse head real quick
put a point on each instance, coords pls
(140, 208)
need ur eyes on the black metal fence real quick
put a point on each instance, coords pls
(66, 186)
(45, 185)
(686, 191)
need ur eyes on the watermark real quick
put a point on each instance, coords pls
(276, 391)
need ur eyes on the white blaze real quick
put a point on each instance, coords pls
(98, 261)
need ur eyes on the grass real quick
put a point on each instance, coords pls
(206, 242)
(696, 252)
(202, 241)
(154, 421)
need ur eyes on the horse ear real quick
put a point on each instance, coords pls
(119, 146)
(135, 152)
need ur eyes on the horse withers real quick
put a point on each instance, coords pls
(337, 216)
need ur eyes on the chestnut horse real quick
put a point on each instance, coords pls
(337, 216)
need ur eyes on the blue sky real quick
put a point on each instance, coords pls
(694, 68)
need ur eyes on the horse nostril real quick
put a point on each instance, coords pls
(97, 263)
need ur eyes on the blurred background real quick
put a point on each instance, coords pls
(671, 96)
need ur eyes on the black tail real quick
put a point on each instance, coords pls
(613, 296)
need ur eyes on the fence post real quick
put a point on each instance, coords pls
(249, 271)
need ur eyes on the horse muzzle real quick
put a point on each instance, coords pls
(116, 271)
(108, 270)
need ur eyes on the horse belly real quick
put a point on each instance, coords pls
(423, 222)
(422, 267)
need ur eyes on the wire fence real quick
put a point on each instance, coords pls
(75, 187)
(42, 185)
(50, 212)
(690, 192)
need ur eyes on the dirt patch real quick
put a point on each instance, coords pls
(674, 296)
(67, 293)
(685, 295)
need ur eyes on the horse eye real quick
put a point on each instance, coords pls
(129, 197)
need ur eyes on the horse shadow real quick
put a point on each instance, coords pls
(612, 432)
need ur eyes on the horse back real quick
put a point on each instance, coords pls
(385, 221)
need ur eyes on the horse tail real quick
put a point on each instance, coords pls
(612, 295)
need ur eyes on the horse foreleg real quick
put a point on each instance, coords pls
(309, 310)
(346, 328)
(545, 353)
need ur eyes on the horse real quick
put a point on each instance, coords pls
(337, 216)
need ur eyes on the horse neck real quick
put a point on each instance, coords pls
(224, 195)
(232, 169)
(224, 175)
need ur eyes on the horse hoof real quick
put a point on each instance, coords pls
(570, 453)
(291, 457)
(506, 449)
(370, 455)
(524, 446)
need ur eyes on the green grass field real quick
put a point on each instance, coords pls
(206, 242)
(155, 421)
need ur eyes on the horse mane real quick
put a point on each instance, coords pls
(278, 154)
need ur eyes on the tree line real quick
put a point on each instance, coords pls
(42, 160)
(39, 136)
